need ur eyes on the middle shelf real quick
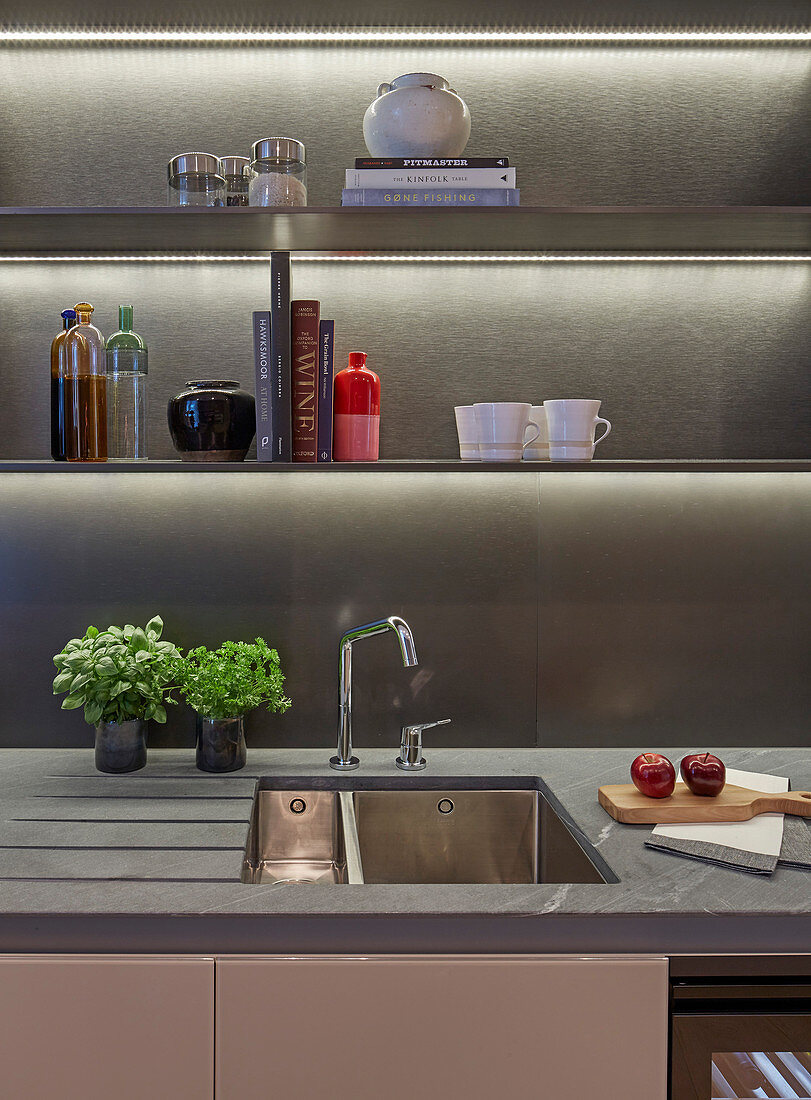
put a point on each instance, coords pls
(679, 230)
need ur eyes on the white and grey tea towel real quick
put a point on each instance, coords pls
(756, 845)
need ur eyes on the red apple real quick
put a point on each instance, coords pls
(704, 773)
(653, 775)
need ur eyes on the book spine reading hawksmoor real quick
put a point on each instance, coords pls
(304, 318)
(405, 179)
(261, 359)
(381, 196)
(432, 162)
(326, 337)
(280, 400)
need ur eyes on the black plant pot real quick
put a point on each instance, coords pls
(212, 421)
(121, 746)
(221, 744)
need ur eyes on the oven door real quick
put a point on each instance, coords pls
(734, 1041)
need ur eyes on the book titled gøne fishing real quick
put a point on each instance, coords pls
(280, 402)
(379, 196)
(404, 179)
(261, 359)
(326, 337)
(304, 318)
(432, 162)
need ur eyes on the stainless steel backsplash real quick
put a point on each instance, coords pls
(560, 608)
(690, 360)
(709, 125)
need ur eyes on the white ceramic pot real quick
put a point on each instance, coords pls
(417, 115)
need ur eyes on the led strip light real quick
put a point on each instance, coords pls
(383, 36)
(443, 258)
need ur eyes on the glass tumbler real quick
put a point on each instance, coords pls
(278, 173)
(195, 180)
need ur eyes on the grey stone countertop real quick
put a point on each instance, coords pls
(151, 861)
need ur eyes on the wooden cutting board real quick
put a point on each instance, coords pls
(626, 804)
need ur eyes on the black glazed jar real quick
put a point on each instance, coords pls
(212, 421)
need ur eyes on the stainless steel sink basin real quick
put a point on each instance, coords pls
(295, 836)
(459, 832)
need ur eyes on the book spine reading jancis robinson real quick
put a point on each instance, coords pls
(280, 398)
(326, 337)
(261, 358)
(304, 318)
(378, 196)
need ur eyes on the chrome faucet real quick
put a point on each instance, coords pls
(344, 760)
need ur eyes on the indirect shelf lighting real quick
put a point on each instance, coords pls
(450, 257)
(389, 35)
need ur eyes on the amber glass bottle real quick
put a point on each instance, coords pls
(58, 386)
(85, 390)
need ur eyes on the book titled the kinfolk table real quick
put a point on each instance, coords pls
(446, 179)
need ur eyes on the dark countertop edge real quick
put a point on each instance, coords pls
(592, 934)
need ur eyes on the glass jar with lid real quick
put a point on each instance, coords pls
(278, 173)
(236, 173)
(195, 180)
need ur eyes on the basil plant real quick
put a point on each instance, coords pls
(119, 673)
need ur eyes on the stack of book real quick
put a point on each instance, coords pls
(293, 360)
(430, 181)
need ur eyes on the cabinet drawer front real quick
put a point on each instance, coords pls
(94, 1028)
(434, 1027)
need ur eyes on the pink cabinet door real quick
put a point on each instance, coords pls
(106, 1028)
(442, 1027)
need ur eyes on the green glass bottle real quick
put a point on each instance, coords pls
(125, 337)
(127, 366)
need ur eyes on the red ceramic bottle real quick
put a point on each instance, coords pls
(356, 425)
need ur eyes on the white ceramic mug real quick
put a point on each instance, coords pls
(501, 428)
(466, 430)
(571, 427)
(539, 450)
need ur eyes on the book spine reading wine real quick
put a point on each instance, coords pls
(379, 196)
(432, 162)
(280, 385)
(261, 359)
(326, 338)
(304, 319)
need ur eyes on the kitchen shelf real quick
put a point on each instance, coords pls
(407, 465)
(681, 230)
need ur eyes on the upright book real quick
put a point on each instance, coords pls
(304, 322)
(381, 196)
(261, 358)
(280, 383)
(326, 338)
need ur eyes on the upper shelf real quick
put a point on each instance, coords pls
(678, 230)
(412, 466)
